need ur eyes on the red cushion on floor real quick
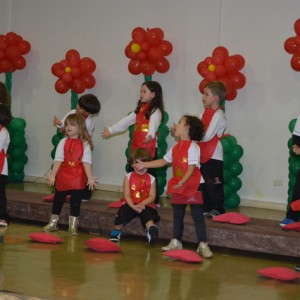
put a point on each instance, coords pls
(295, 205)
(184, 255)
(232, 218)
(49, 198)
(102, 245)
(117, 203)
(293, 226)
(43, 237)
(279, 273)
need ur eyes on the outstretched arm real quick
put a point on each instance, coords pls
(158, 163)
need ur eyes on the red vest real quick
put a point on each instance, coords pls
(71, 174)
(180, 166)
(2, 156)
(140, 187)
(140, 131)
(208, 148)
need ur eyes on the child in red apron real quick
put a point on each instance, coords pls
(184, 157)
(5, 118)
(146, 119)
(71, 172)
(139, 190)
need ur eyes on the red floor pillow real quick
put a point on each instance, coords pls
(43, 237)
(117, 204)
(279, 273)
(293, 226)
(184, 255)
(295, 205)
(102, 245)
(232, 218)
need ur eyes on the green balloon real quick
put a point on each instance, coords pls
(17, 177)
(56, 139)
(163, 132)
(290, 143)
(294, 167)
(235, 184)
(237, 152)
(227, 144)
(131, 129)
(17, 124)
(24, 159)
(292, 125)
(227, 191)
(166, 118)
(17, 166)
(53, 153)
(16, 153)
(236, 169)
(226, 176)
(292, 182)
(227, 160)
(18, 141)
(233, 201)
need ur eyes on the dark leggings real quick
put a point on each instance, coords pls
(75, 202)
(197, 215)
(3, 200)
(295, 215)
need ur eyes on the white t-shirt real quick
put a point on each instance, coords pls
(4, 143)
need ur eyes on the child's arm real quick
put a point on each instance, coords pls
(151, 196)
(91, 183)
(51, 177)
(185, 177)
(158, 163)
(57, 122)
(154, 122)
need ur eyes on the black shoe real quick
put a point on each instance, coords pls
(212, 213)
(152, 234)
(297, 268)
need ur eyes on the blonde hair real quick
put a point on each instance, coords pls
(79, 121)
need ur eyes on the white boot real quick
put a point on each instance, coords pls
(73, 222)
(204, 251)
(52, 225)
(173, 245)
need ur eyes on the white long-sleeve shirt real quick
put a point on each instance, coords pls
(4, 143)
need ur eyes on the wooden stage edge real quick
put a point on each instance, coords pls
(259, 235)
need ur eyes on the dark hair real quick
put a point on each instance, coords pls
(217, 88)
(196, 128)
(89, 103)
(156, 102)
(140, 154)
(5, 115)
(4, 96)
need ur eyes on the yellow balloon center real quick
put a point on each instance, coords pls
(211, 68)
(68, 69)
(135, 48)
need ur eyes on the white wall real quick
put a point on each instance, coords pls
(101, 29)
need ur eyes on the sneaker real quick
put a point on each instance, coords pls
(152, 234)
(297, 268)
(173, 245)
(3, 223)
(115, 235)
(286, 221)
(212, 213)
(204, 251)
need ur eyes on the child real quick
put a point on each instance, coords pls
(291, 215)
(4, 96)
(184, 157)
(139, 193)
(71, 170)
(5, 118)
(146, 117)
(88, 106)
(211, 160)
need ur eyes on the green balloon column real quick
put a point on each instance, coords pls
(162, 133)
(294, 165)
(232, 169)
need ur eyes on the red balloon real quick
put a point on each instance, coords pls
(61, 87)
(162, 66)
(141, 56)
(11, 38)
(89, 80)
(240, 59)
(138, 34)
(202, 69)
(24, 47)
(5, 66)
(231, 96)
(154, 54)
(202, 85)
(57, 70)
(297, 27)
(153, 37)
(129, 53)
(72, 54)
(290, 45)
(208, 60)
(63, 64)
(134, 67)
(238, 80)
(73, 62)
(232, 65)
(19, 63)
(220, 70)
(220, 50)
(67, 78)
(160, 32)
(228, 84)
(145, 47)
(75, 72)
(12, 52)
(2, 54)
(87, 65)
(166, 47)
(218, 59)
(210, 76)
(78, 85)
(3, 44)
(147, 68)
(295, 62)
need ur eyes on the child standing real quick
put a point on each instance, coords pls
(71, 171)
(139, 192)
(147, 117)
(211, 160)
(5, 118)
(184, 157)
(88, 106)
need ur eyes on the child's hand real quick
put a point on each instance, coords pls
(51, 180)
(147, 139)
(137, 208)
(105, 133)
(56, 121)
(178, 185)
(91, 182)
(296, 149)
(172, 129)
(139, 165)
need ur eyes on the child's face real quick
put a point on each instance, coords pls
(140, 172)
(146, 95)
(209, 99)
(181, 129)
(72, 130)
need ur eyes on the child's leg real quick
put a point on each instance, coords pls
(75, 202)
(149, 217)
(197, 215)
(3, 201)
(58, 201)
(295, 215)
(178, 216)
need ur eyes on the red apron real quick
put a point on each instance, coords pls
(140, 131)
(2, 156)
(71, 174)
(208, 148)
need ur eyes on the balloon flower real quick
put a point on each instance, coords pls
(292, 46)
(74, 73)
(147, 51)
(12, 49)
(225, 68)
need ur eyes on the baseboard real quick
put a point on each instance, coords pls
(263, 204)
